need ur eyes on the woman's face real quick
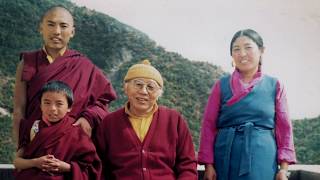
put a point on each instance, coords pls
(246, 54)
(142, 95)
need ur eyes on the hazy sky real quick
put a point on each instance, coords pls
(202, 30)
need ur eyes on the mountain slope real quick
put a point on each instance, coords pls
(111, 45)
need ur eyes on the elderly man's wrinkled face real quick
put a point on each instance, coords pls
(142, 95)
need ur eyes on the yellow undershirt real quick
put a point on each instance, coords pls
(141, 124)
(50, 59)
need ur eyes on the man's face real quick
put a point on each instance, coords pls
(142, 95)
(57, 29)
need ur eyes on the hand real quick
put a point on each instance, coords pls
(42, 162)
(281, 175)
(209, 173)
(56, 165)
(84, 124)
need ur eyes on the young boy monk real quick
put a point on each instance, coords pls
(57, 149)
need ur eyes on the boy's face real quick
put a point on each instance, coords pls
(54, 106)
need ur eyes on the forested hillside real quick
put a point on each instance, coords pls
(307, 140)
(114, 46)
(111, 45)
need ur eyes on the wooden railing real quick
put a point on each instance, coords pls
(298, 172)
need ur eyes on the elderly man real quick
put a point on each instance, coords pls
(143, 140)
(92, 90)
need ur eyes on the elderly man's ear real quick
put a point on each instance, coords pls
(125, 88)
(160, 93)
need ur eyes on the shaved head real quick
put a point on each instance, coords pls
(59, 9)
(56, 28)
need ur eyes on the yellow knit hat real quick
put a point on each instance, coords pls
(144, 70)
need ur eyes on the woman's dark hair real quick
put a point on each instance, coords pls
(60, 87)
(253, 35)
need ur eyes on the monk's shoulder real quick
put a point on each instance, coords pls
(168, 111)
(170, 116)
(77, 134)
(113, 118)
(76, 55)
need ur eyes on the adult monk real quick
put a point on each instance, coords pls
(143, 140)
(92, 90)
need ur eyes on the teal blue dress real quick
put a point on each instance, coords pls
(245, 147)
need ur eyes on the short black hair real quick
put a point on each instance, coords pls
(58, 86)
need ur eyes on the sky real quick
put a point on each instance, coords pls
(202, 30)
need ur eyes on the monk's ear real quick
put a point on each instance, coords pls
(73, 32)
(69, 110)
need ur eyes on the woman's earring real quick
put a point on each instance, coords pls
(233, 64)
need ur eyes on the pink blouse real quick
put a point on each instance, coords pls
(283, 125)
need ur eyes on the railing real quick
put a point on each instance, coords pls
(298, 172)
(6, 171)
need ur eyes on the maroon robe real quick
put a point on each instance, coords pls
(92, 90)
(166, 153)
(67, 143)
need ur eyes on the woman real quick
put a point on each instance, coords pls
(246, 132)
(143, 140)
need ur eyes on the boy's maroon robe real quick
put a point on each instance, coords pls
(92, 90)
(67, 143)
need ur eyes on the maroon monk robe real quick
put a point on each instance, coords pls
(166, 153)
(92, 90)
(67, 143)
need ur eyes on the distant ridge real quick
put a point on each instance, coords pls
(111, 45)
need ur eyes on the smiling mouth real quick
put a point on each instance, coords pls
(142, 100)
(244, 61)
(52, 116)
(54, 39)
